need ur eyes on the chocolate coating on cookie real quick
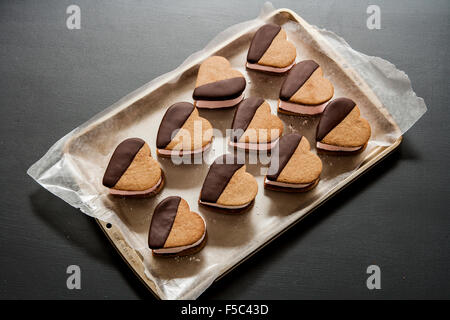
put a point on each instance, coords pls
(220, 173)
(220, 90)
(296, 78)
(162, 221)
(120, 160)
(261, 42)
(334, 113)
(285, 149)
(173, 119)
(243, 116)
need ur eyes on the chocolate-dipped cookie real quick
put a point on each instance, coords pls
(270, 51)
(254, 127)
(132, 171)
(218, 85)
(183, 132)
(341, 128)
(175, 230)
(228, 187)
(305, 91)
(293, 167)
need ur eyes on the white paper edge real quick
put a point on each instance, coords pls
(45, 171)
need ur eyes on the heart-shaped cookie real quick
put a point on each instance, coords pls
(270, 51)
(218, 85)
(227, 186)
(132, 171)
(305, 91)
(341, 128)
(175, 230)
(182, 131)
(254, 127)
(293, 167)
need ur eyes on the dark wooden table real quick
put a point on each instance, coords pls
(53, 79)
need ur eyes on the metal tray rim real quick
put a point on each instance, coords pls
(129, 255)
(133, 258)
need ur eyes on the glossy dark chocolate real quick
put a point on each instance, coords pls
(173, 119)
(296, 78)
(286, 148)
(120, 160)
(220, 90)
(220, 173)
(261, 42)
(244, 115)
(162, 221)
(334, 113)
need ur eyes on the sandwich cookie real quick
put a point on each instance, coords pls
(183, 132)
(175, 230)
(305, 91)
(294, 168)
(254, 127)
(132, 171)
(218, 85)
(270, 51)
(228, 187)
(341, 129)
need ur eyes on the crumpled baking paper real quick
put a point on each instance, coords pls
(73, 167)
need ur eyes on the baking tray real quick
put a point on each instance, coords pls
(134, 260)
(130, 116)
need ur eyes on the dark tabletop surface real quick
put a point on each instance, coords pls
(53, 79)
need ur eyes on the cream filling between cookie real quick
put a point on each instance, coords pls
(330, 147)
(182, 248)
(135, 193)
(260, 67)
(218, 104)
(183, 152)
(288, 185)
(254, 146)
(302, 108)
(223, 206)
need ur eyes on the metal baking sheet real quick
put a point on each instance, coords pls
(231, 238)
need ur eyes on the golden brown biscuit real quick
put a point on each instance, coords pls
(341, 128)
(182, 131)
(175, 230)
(293, 167)
(270, 51)
(132, 171)
(218, 85)
(227, 186)
(254, 127)
(305, 91)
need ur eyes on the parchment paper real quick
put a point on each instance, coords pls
(73, 168)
